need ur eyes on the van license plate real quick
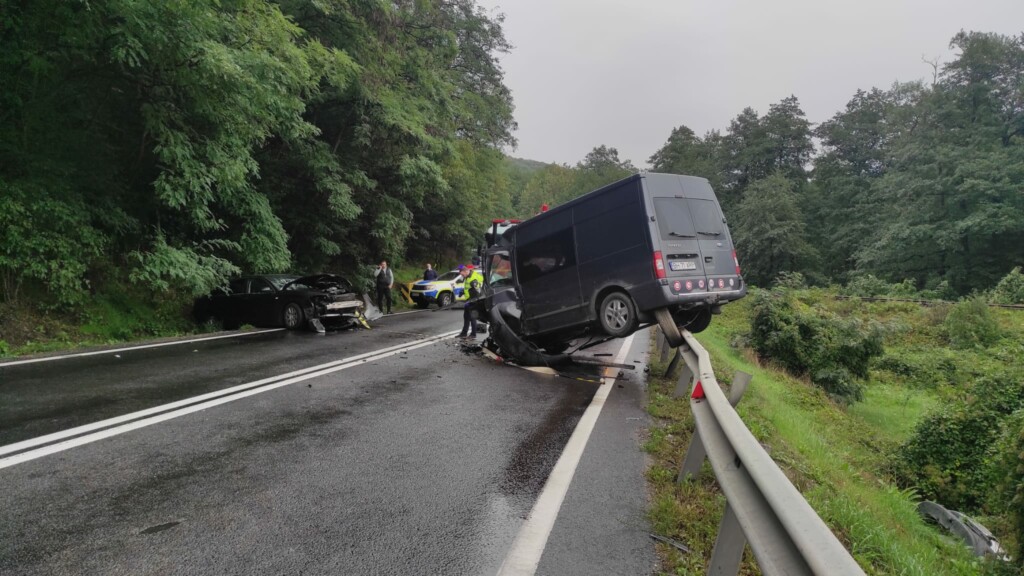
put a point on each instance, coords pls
(682, 265)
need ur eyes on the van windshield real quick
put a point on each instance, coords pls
(687, 218)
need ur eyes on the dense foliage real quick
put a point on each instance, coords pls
(833, 352)
(181, 142)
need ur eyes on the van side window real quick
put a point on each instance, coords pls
(546, 255)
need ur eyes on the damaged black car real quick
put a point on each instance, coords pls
(282, 300)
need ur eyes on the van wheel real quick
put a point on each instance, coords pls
(694, 320)
(669, 327)
(444, 299)
(617, 315)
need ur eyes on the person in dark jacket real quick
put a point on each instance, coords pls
(429, 274)
(385, 281)
(473, 281)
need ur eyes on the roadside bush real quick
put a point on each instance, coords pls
(1006, 474)
(866, 285)
(1010, 289)
(970, 324)
(831, 350)
(793, 280)
(946, 457)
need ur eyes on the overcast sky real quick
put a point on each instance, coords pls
(625, 72)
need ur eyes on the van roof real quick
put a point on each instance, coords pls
(657, 184)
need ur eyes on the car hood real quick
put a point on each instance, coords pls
(323, 282)
(433, 283)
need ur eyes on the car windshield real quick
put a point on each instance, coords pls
(280, 281)
(448, 276)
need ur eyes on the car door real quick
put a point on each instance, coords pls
(261, 303)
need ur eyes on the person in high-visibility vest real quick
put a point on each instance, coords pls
(473, 282)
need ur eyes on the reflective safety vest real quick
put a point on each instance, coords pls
(474, 277)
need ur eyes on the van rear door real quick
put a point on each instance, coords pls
(679, 243)
(715, 244)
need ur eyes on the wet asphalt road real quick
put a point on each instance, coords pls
(425, 462)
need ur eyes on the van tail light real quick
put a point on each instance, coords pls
(736, 261)
(659, 265)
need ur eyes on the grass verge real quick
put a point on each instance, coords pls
(835, 457)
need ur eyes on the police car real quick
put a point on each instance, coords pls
(446, 289)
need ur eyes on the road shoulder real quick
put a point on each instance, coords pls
(602, 526)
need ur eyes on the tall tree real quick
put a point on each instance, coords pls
(769, 231)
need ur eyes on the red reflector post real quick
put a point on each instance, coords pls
(698, 392)
(659, 265)
(736, 261)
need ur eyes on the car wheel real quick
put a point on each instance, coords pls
(444, 299)
(292, 316)
(617, 315)
(694, 320)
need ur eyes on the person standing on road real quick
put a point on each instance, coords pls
(472, 282)
(385, 281)
(429, 274)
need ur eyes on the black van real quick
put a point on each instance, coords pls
(648, 248)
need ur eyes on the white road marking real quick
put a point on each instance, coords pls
(47, 439)
(140, 347)
(523, 558)
(218, 398)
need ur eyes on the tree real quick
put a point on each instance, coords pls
(954, 211)
(769, 231)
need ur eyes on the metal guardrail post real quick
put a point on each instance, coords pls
(665, 347)
(729, 544)
(674, 363)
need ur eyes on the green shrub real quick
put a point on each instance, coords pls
(866, 285)
(946, 456)
(831, 350)
(793, 280)
(970, 324)
(1010, 289)
(5, 348)
(1006, 474)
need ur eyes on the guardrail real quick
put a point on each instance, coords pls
(763, 508)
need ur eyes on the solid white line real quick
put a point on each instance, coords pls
(529, 544)
(32, 442)
(140, 347)
(222, 397)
